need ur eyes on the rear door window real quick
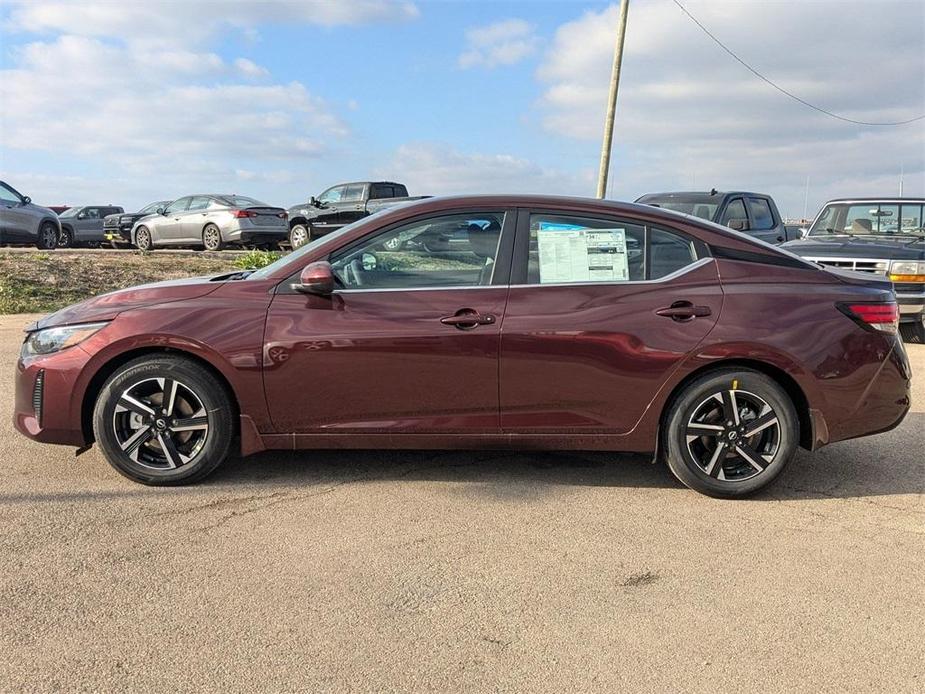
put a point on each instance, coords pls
(734, 210)
(353, 193)
(762, 217)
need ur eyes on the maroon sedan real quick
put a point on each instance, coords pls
(481, 322)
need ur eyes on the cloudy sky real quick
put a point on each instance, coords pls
(127, 102)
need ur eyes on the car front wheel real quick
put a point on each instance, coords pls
(299, 235)
(730, 432)
(143, 239)
(163, 420)
(48, 236)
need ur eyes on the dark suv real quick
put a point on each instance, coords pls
(754, 213)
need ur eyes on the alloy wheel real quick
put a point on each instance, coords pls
(733, 435)
(143, 239)
(49, 236)
(160, 423)
(298, 236)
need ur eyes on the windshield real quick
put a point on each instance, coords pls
(71, 212)
(702, 205)
(302, 250)
(869, 219)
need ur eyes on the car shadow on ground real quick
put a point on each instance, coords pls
(888, 464)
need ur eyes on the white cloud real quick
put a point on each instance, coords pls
(136, 89)
(687, 110)
(501, 43)
(250, 69)
(440, 169)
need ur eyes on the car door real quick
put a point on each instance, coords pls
(194, 219)
(407, 343)
(16, 222)
(327, 214)
(167, 228)
(601, 311)
(353, 205)
(761, 221)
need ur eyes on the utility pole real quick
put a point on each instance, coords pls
(805, 200)
(612, 101)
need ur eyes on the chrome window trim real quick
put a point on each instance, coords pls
(677, 273)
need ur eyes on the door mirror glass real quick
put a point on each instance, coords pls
(313, 201)
(82, 215)
(26, 200)
(316, 278)
(738, 224)
(369, 261)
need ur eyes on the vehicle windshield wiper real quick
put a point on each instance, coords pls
(232, 276)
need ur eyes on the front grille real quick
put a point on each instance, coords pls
(877, 267)
(38, 392)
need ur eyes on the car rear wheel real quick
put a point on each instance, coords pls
(163, 420)
(48, 236)
(143, 239)
(299, 235)
(914, 332)
(212, 238)
(66, 239)
(730, 432)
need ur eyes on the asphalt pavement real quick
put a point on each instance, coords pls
(462, 571)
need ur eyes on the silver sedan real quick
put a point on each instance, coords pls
(212, 221)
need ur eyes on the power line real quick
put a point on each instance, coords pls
(781, 89)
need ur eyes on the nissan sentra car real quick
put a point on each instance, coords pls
(562, 323)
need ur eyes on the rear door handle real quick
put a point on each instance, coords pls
(683, 311)
(466, 319)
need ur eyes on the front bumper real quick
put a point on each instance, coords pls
(47, 412)
(911, 306)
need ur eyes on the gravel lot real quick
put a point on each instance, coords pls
(461, 572)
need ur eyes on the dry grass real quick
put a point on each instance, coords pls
(40, 282)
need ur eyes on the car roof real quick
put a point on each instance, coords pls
(916, 201)
(708, 193)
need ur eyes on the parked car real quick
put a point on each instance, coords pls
(23, 222)
(879, 236)
(117, 228)
(83, 225)
(754, 213)
(212, 222)
(340, 205)
(625, 327)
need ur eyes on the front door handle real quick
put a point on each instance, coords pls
(467, 319)
(683, 311)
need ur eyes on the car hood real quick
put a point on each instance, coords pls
(108, 306)
(898, 248)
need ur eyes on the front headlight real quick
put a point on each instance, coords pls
(907, 271)
(52, 340)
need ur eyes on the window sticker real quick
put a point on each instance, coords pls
(572, 253)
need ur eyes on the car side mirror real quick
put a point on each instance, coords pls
(316, 278)
(369, 261)
(161, 210)
(313, 201)
(82, 215)
(26, 200)
(738, 224)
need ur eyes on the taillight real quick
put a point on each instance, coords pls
(882, 316)
(240, 214)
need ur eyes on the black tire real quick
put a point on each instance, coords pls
(299, 235)
(212, 238)
(48, 236)
(913, 333)
(66, 238)
(710, 461)
(143, 240)
(199, 398)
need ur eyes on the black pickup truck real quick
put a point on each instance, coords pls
(754, 213)
(882, 236)
(340, 205)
